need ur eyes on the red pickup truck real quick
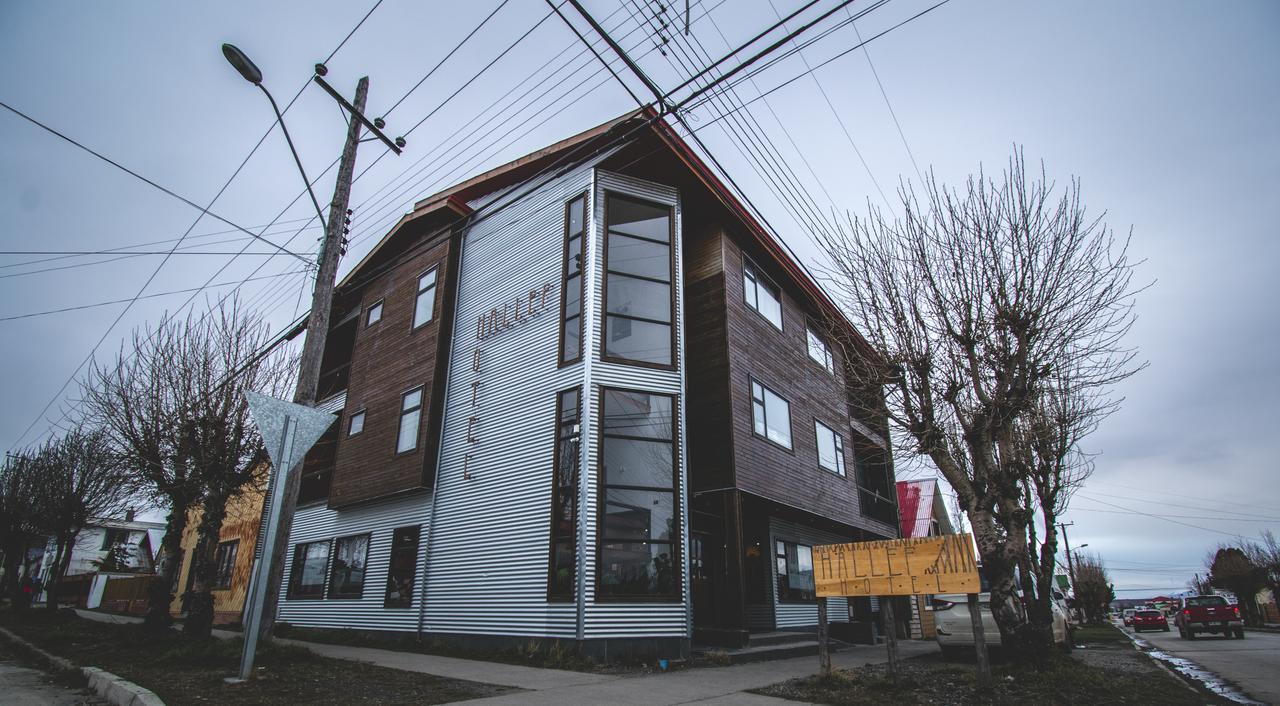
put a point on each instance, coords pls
(1208, 614)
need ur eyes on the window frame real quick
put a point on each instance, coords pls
(751, 394)
(583, 237)
(552, 595)
(778, 576)
(602, 489)
(759, 280)
(351, 418)
(828, 362)
(331, 581)
(368, 312)
(604, 283)
(422, 391)
(295, 569)
(435, 284)
(233, 549)
(840, 468)
(413, 582)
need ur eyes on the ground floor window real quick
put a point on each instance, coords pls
(404, 564)
(639, 553)
(564, 498)
(350, 556)
(795, 571)
(225, 560)
(306, 578)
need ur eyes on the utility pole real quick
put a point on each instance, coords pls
(1071, 567)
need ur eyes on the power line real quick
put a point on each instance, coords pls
(135, 252)
(1160, 517)
(885, 94)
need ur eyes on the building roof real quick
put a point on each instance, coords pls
(920, 504)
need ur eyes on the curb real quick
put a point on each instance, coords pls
(105, 684)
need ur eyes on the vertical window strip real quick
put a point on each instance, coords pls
(410, 420)
(425, 305)
(572, 284)
(639, 296)
(562, 563)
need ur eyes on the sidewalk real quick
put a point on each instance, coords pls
(711, 685)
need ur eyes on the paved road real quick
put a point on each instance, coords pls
(22, 686)
(1253, 664)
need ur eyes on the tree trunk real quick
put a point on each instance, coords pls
(1000, 548)
(204, 563)
(160, 592)
(61, 557)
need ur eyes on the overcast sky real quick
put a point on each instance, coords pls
(1166, 110)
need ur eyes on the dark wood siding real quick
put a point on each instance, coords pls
(389, 359)
(706, 356)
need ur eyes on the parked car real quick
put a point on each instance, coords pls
(954, 626)
(1150, 620)
(1198, 614)
(1128, 616)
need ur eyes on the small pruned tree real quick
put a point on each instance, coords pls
(1231, 569)
(1265, 554)
(78, 477)
(973, 301)
(1094, 591)
(19, 525)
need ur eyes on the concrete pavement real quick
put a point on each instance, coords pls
(1252, 664)
(23, 686)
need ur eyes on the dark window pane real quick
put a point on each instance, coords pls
(638, 340)
(308, 571)
(562, 569)
(637, 569)
(639, 514)
(637, 414)
(574, 263)
(349, 558)
(639, 257)
(635, 462)
(572, 298)
(642, 219)
(638, 297)
(570, 349)
(404, 562)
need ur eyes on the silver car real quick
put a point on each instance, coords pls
(955, 628)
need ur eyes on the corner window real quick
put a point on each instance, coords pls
(641, 524)
(374, 314)
(225, 561)
(356, 424)
(424, 307)
(761, 295)
(404, 564)
(830, 448)
(795, 571)
(564, 497)
(770, 415)
(639, 300)
(575, 219)
(310, 564)
(350, 556)
(410, 419)
(819, 350)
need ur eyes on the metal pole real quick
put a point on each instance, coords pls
(312, 354)
(824, 645)
(979, 642)
(890, 634)
(257, 589)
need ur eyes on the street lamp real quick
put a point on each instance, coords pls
(253, 74)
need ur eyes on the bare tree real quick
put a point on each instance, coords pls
(1266, 556)
(18, 520)
(974, 301)
(78, 477)
(1200, 584)
(1231, 568)
(1094, 590)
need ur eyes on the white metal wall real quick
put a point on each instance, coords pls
(382, 518)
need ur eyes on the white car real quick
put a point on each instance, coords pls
(955, 628)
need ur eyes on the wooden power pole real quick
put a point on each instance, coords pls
(313, 349)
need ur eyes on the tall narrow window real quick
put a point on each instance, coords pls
(374, 314)
(639, 302)
(820, 351)
(424, 307)
(830, 448)
(575, 219)
(306, 576)
(641, 525)
(357, 423)
(403, 569)
(225, 561)
(410, 417)
(795, 571)
(564, 497)
(350, 556)
(761, 295)
(770, 415)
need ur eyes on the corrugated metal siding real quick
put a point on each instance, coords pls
(618, 619)
(790, 615)
(319, 522)
(489, 546)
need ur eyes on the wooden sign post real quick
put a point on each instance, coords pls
(898, 567)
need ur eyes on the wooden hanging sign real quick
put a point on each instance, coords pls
(897, 567)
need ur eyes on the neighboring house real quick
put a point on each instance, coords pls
(102, 550)
(234, 558)
(585, 396)
(922, 510)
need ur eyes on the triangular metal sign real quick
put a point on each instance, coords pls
(308, 425)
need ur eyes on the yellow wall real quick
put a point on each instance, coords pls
(243, 516)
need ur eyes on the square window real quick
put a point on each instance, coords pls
(356, 425)
(374, 314)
